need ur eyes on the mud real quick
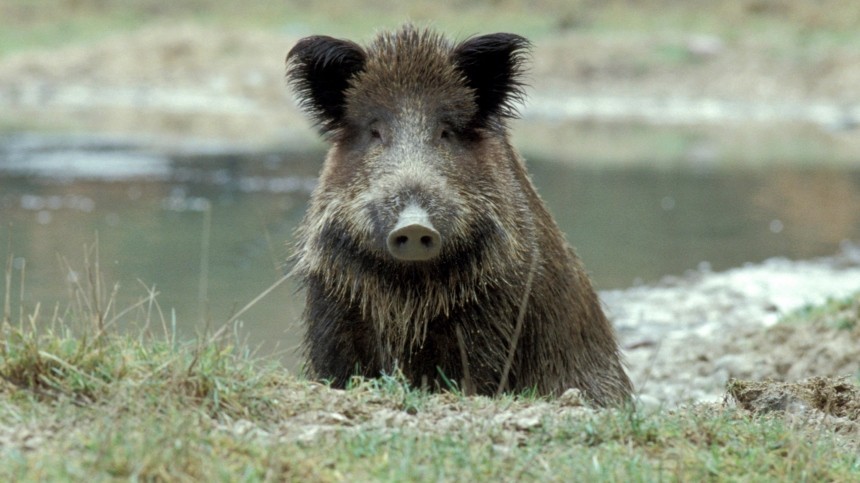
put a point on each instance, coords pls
(686, 337)
(815, 404)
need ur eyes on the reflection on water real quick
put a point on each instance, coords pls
(151, 218)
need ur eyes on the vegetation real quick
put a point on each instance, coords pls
(842, 314)
(85, 396)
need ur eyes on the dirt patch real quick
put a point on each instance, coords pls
(365, 408)
(834, 396)
(817, 403)
(697, 65)
(171, 80)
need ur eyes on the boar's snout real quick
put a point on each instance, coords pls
(413, 237)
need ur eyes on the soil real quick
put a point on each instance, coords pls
(684, 338)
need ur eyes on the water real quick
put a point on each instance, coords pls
(633, 226)
(153, 212)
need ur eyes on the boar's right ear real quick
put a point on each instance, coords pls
(493, 66)
(319, 69)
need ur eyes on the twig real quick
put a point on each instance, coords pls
(467, 377)
(203, 288)
(247, 306)
(503, 382)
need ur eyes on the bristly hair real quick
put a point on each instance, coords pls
(319, 68)
(494, 65)
(322, 70)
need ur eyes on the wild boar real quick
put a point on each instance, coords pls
(425, 248)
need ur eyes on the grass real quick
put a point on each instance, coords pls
(86, 395)
(840, 314)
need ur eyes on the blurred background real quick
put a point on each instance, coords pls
(666, 135)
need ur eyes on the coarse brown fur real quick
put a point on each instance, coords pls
(414, 119)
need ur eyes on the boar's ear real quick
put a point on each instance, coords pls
(319, 69)
(493, 67)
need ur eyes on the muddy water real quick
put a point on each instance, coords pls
(207, 228)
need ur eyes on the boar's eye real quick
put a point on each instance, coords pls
(444, 132)
(374, 129)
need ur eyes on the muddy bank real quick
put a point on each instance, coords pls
(685, 337)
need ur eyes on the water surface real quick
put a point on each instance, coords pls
(209, 229)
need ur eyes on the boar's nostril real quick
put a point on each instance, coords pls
(414, 238)
(414, 242)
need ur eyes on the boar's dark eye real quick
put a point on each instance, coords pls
(376, 130)
(444, 132)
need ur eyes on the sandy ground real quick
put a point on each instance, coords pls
(684, 337)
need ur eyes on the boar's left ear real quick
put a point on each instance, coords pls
(493, 67)
(319, 69)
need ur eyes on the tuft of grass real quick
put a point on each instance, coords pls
(841, 314)
(81, 356)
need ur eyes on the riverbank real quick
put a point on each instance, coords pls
(80, 400)
(687, 336)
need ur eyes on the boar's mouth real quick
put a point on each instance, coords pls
(459, 255)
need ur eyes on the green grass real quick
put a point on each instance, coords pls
(99, 393)
(164, 420)
(840, 314)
